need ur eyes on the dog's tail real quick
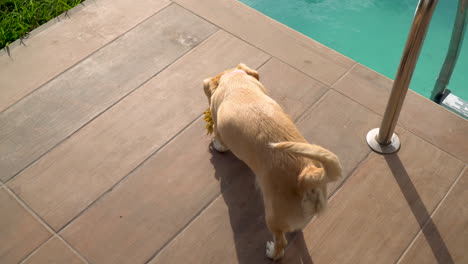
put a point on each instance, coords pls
(311, 176)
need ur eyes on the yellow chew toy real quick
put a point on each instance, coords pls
(209, 121)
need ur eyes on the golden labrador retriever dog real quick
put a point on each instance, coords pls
(291, 173)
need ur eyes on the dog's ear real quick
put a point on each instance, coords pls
(249, 71)
(206, 87)
(210, 85)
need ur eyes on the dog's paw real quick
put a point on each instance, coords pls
(271, 253)
(270, 249)
(218, 146)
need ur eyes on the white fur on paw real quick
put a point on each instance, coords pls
(270, 249)
(219, 147)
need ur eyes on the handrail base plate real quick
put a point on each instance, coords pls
(393, 147)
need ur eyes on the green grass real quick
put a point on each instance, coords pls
(19, 17)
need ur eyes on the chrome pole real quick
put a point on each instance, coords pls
(453, 51)
(384, 140)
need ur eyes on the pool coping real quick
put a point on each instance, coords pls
(415, 104)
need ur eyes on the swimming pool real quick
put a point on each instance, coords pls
(374, 32)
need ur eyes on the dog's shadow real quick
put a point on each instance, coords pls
(246, 213)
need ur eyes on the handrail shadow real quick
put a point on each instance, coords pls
(420, 212)
(246, 212)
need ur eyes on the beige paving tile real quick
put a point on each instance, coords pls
(377, 213)
(54, 251)
(140, 215)
(426, 119)
(366, 87)
(20, 232)
(303, 53)
(58, 45)
(445, 238)
(36, 124)
(293, 90)
(73, 175)
(232, 229)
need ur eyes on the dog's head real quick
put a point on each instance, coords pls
(210, 84)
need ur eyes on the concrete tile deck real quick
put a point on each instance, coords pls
(104, 158)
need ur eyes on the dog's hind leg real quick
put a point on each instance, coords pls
(217, 143)
(275, 249)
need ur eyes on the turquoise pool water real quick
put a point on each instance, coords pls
(373, 33)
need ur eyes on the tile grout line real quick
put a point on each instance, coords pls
(28, 256)
(253, 45)
(110, 189)
(430, 143)
(186, 226)
(387, 78)
(67, 244)
(401, 126)
(343, 75)
(286, 27)
(418, 234)
(121, 180)
(237, 37)
(29, 210)
(44, 224)
(351, 173)
(312, 106)
(409, 89)
(110, 106)
(368, 108)
(322, 97)
(51, 231)
(117, 184)
(86, 57)
(263, 64)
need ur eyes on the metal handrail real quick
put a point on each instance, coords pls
(456, 41)
(384, 140)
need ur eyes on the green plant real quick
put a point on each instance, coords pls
(19, 17)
